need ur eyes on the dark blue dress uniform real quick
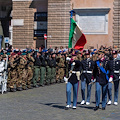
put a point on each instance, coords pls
(101, 82)
(86, 76)
(73, 81)
(114, 66)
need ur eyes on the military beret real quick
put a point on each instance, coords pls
(92, 53)
(1, 53)
(59, 51)
(13, 54)
(29, 51)
(94, 49)
(19, 53)
(8, 53)
(23, 53)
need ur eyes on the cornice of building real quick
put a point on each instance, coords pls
(21, 0)
(93, 8)
(27, 0)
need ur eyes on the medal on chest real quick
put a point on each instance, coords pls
(101, 64)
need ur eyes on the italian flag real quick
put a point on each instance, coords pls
(77, 39)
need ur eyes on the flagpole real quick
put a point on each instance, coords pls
(71, 14)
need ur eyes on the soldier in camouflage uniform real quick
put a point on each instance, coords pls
(30, 66)
(61, 69)
(12, 76)
(22, 72)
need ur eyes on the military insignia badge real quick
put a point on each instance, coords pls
(101, 64)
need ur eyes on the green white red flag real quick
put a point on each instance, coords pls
(77, 39)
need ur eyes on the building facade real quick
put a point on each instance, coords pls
(31, 19)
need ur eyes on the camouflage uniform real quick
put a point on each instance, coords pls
(22, 73)
(12, 75)
(61, 70)
(30, 68)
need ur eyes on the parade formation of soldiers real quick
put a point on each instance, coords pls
(33, 68)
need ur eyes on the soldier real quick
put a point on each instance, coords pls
(101, 75)
(57, 67)
(61, 67)
(12, 75)
(43, 69)
(94, 55)
(37, 65)
(53, 68)
(30, 66)
(48, 69)
(22, 72)
(73, 80)
(114, 66)
(86, 77)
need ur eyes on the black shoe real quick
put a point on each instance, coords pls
(19, 89)
(30, 87)
(48, 84)
(8, 89)
(13, 89)
(57, 81)
(96, 108)
(42, 85)
(62, 81)
(66, 108)
(36, 86)
(5, 92)
(103, 108)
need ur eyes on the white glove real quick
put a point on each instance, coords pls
(110, 79)
(73, 63)
(68, 59)
(93, 80)
(66, 80)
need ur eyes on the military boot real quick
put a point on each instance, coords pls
(13, 89)
(19, 89)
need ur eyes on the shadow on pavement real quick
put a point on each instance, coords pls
(55, 105)
(88, 107)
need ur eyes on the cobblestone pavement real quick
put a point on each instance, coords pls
(47, 103)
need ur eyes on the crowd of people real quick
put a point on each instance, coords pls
(32, 68)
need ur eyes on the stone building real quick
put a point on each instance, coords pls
(29, 20)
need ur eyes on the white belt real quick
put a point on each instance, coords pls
(116, 71)
(73, 71)
(87, 71)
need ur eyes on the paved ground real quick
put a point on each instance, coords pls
(47, 103)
